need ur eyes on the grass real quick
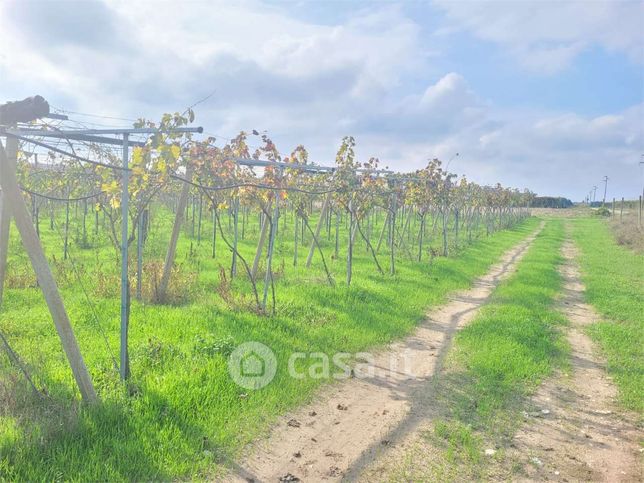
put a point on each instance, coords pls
(502, 356)
(181, 416)
(461, 444)
(614, 277)
(628, 232)
(515, 342)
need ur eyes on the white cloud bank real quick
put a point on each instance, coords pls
(309, 83)
(546, 36)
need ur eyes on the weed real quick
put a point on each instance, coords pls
(210, 345)
(603, 212)
(180, 287)
(19, 274)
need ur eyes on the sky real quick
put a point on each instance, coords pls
(545, 95)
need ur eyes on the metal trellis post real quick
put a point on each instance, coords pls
(139, 256)
(271, 244)
(125, 284)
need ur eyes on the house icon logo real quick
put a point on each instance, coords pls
(252, 365)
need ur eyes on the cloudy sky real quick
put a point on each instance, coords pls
(538, 94)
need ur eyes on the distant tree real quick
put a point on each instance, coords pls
(551, 202)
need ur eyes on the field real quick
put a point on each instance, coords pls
(181, 415)
(321, 241)
(519, 384)
(458, 280)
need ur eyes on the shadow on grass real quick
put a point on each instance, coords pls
(112, 440)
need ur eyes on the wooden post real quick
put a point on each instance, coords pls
(271, 245)
(421, 234)
(174, 238)
(325, 207)
(214, 231)
(382, 232)
(295, 224)
(260, 246)
(5, 215)
(336, 251)
(445, 214)
(85, 243)
(233, 266)
(456, 222)
(13, 198)
(199, 222)
(66, 244)
(193, 205)
(621, 210)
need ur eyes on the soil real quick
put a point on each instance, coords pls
(353, 422)
(580, 433)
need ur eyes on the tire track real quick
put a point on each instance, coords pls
(580, 433)
(353, 422)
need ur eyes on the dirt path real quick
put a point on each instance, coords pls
(579, 433)
(351, 422)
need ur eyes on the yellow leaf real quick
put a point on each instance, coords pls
(137, 156)
(112, 187)
(138, 170)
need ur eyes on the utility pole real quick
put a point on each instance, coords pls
(594, 193)
(605, 188)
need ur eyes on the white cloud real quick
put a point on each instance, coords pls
(559, 153)
(546, 35)
(182, 48)
(310, 83)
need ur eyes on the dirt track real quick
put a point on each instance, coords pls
(573, 429)
(352, 422)
(583, 435)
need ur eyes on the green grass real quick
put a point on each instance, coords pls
(182, 416)
(505, 352)
(461, 444)
(614, 279)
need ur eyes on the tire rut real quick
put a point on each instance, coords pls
(353, 422)
(580, 433)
